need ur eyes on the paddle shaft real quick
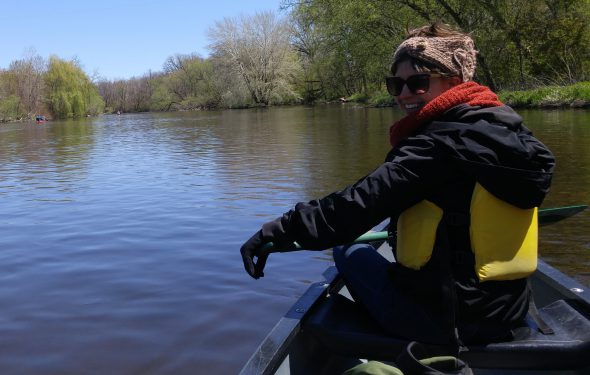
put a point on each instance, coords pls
(546, 216)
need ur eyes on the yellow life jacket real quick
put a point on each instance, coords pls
(503, 237)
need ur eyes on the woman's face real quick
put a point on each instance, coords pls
(410, 102)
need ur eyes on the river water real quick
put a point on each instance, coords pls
(120, 235)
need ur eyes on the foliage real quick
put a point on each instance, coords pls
(69, 90)
(132, 95)
(9, 108)
(27, 82)
(21, 87)
(358, 97)
(576, 95)
(381, 99)
(257, 50)
(325, 50)
(346, 45)
(190, 82)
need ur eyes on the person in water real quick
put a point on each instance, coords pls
(461, 186)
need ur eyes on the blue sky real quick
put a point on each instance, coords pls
(115, 38)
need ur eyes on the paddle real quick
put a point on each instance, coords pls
(552, 215)
(546, 216)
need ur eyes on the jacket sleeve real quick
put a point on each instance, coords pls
(413, 168)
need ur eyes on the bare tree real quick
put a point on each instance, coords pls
(257, 48)
(27, 82)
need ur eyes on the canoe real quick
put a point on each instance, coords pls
(325, 332)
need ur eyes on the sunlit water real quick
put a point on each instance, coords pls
(119, 236)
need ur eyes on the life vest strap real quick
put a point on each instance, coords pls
(457, 219)
(541, 324)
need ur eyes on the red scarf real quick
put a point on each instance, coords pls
(466, 93)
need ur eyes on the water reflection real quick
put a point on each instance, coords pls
(120, 234)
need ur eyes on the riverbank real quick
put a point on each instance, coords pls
(547, 97)
(571, 96)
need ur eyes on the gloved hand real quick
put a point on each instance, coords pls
(272, 231)
(253, 249)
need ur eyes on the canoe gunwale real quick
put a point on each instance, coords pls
(564, 286)
(272, 351)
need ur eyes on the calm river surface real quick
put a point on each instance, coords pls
(120, 235)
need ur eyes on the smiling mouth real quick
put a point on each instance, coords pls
(412, 107)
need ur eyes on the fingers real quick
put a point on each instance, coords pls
(259, 266)
(249, 264)
(255, 254)
(254, 268)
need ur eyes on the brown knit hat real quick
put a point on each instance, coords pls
(454, 54)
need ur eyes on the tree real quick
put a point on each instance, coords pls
(521, 43)
(346, 46)
(9, 107)
(23, 80)
(28, 82)
(70, 91)
(257, 49)
(190, 82)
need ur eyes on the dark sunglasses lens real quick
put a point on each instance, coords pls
(418, 84)
(395, 85)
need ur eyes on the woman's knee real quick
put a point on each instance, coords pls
(343, 254)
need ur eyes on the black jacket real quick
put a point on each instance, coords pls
(441, 163)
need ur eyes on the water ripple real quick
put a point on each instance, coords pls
(120, 235)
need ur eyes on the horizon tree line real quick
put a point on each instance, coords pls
(319, 50)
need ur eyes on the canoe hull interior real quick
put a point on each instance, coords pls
(326, 333)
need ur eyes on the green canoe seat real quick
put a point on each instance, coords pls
(345, 328)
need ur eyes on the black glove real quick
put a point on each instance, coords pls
(273, 231)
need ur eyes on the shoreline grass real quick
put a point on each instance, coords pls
(571, 96)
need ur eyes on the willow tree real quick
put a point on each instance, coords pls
(257, 50)
(69, 91)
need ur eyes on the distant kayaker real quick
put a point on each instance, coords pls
(461, 186)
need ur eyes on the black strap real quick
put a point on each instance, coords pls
(541, 324)
(448, 281)
(418, 359)
(457, 219)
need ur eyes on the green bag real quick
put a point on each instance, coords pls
(373, 368)
(415, 360)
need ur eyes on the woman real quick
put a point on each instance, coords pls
(461, 185)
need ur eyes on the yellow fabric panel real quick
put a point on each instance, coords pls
(416, 233)
(503, 237)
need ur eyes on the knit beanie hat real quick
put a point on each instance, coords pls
(454, 54)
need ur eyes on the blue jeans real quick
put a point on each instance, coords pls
(368, 276)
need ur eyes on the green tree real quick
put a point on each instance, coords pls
(346, 45)
(9, 108)
(23, 80)
(190, 82)
(70, 91)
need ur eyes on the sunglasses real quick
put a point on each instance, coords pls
(418, 84)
